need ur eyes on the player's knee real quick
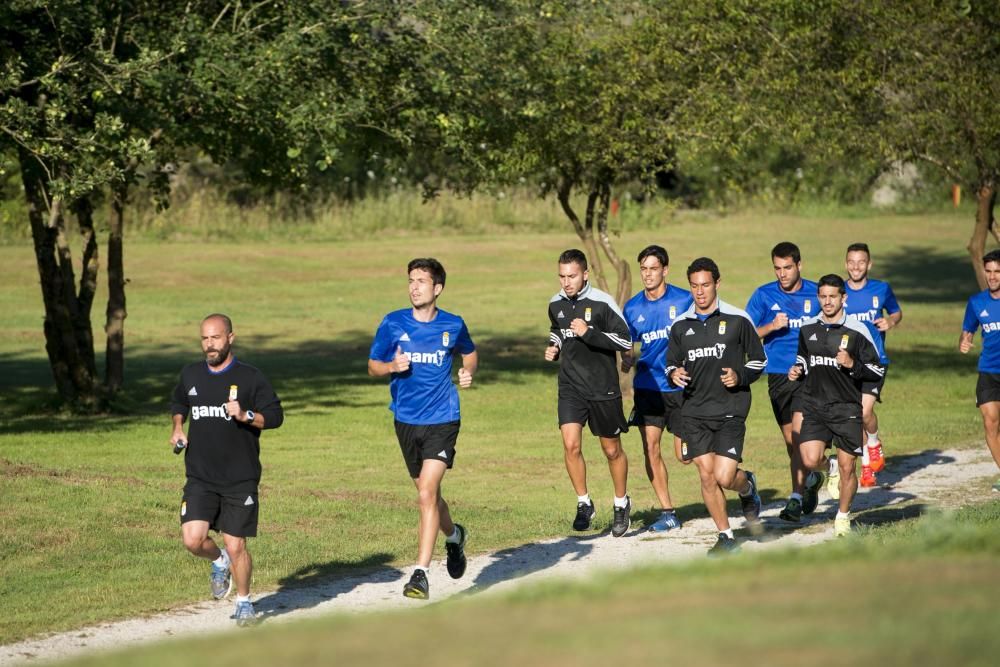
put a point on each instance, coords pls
(725, 478)
(613, 451)
(572, 447)
(235, 546)
(427, 497)
(193, 543)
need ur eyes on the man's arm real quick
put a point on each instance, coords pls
(965, 342)
(615, 336)
(470, 362)
(755, 355)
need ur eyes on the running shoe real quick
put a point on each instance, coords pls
(456, 554)
(751, 504)
(810, 494)
(996, 487)
(221, 580)
(792, 511)
(417, 587)
(724, 546)
(875, 457)
(841, 527)
(584, 516)
(622, 520)
(833, 479)
(668, 521)
(245, 615)
(868, 477)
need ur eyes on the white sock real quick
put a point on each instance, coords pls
(795, 496)
(728, 532)
(872, 438)
(843, 515)
(242, 598)
(421, 568)
(455, 536)
(621, 502)
(834, 468)
(222, 560)
(865, 460)
(585, 499)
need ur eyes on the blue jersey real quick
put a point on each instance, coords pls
(984, 311)
(425, 393)
(866, 305)
(765, 304)
(649, 322)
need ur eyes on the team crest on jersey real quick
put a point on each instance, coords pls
(445, 337)
(586, 315)
(184, 508)
(684, 449)
(722, 327)
(807, 306)
(843, 341)
(875, 302)
(673, 312)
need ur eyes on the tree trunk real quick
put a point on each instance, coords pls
(986, 196)
(88, 283)
(622, 270)
(114, 375)
(586, 234)
(74, 380)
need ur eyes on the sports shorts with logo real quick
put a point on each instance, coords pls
(784, 395)
(230, 512)
(418, 442)
(661, 409)
(987, 388)
(875, 388)
(723, 437)
(838, 424)
(605, 418)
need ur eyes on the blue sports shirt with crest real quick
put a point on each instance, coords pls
(765, 303)
(983, 311)
(866, 305)
(649, 321)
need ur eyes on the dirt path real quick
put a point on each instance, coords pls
(935, 478)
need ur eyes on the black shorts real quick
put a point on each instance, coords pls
(987, 388)
(230, 513)
(723, 437)
(875, 388)
(845, 431)
(661, 409)
(784, 395)
(605, 418)
(427, 441)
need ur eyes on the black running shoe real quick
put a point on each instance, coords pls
(810, 494)
(751, 503)
(584, 516)
(417, 587)
(622, 520)
(792, 511)
(456, 554)
(724, 546)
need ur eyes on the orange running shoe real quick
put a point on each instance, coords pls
(868, 477)
(875, 457)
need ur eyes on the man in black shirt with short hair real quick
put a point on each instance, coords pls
(229, 403)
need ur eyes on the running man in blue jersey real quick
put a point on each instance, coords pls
(657, 403)
(983, 312)
(778, 310)
(872, 302)
(416, 347)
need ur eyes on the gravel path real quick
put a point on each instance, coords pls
(937, 478)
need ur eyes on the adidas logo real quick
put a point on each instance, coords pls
(560, 315)
(192, 392)
(405, 337)
(857, 451)
(690, 332)
(641, 319)
(775, 307)
(875, 391)
(984, 313)
(443, 454)
(248, 501)
(732, 450)
(813, 337)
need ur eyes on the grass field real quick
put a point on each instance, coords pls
(89, 504)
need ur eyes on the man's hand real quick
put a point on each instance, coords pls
(551, 353)
(400, 362)
(780, 321)
(628, 361)
(795, 372)
(578, 327)
(729, 377)
(844, 358)
(464, 378)
(679, 377)
(234, 410)
(965, 343)
(882, 324)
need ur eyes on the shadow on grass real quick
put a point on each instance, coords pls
(311, 376)
(521, 561)
(319, 582)
(926, 275)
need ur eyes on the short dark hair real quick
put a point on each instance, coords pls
(831, 280)
(573, 256)
(431, 266)
(859, 247)
(787, 249)
(657, 251)
(704, 264)
(991, 256)
(225, 320)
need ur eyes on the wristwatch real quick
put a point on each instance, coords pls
(250, 415)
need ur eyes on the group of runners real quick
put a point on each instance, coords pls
(821, 344)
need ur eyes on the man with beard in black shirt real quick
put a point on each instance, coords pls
(229, 403)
